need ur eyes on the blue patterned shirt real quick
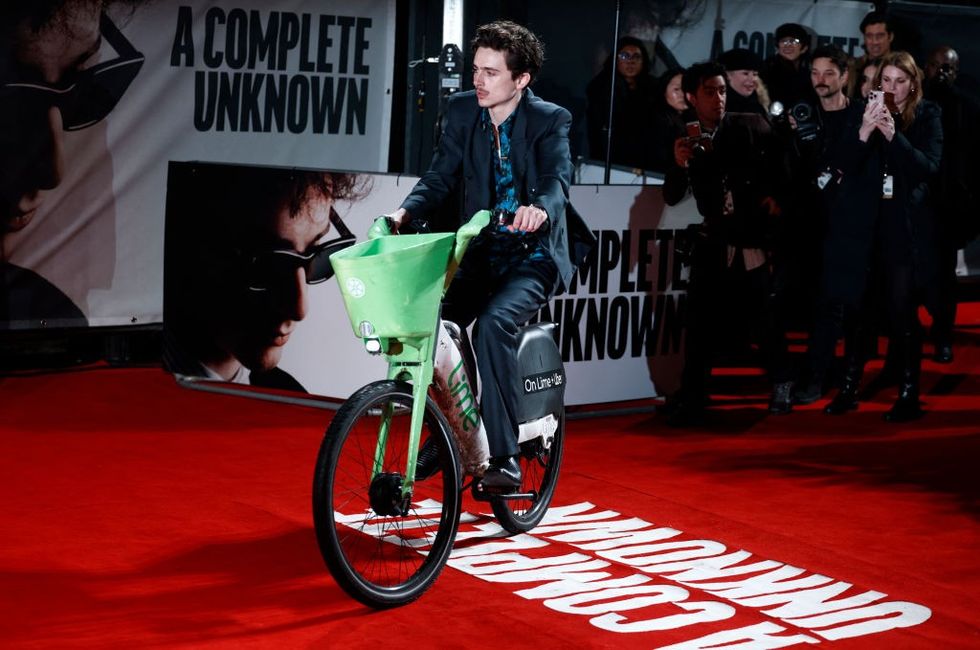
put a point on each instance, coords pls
(508, 248)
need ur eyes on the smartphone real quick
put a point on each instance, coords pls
(876, 97)
(890, 102)
(693, 130)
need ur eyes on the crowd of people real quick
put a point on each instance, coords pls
(845, 182)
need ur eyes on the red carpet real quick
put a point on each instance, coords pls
(140, 514)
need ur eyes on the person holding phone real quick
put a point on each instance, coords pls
(736, 168)
(905, 133)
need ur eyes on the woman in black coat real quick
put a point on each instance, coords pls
(635, 97)
(903, 146)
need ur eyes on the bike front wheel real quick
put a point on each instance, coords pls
(539, 467)
(381, 548)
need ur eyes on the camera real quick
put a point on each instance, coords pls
(804, 117)
(700, 142)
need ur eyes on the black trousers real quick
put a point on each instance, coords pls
(943, 310)
(499, 305)
(722, 298)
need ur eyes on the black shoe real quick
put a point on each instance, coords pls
(427, 462)
(845, 400)
(781, 402)
(905, 409)
(504, 472)
(943, 353)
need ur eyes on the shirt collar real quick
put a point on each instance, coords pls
(506, 126)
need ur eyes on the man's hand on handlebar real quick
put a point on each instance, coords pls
(528, 218)
(399, 217)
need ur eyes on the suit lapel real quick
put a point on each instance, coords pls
(481, 161)
(519, 147)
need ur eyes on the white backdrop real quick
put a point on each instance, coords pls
(750, 24)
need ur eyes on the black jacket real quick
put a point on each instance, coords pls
(542, 172)
(907, 223)
(850, 206)
(748, 159)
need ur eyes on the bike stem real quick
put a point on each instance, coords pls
(412, 358)
(412, 363)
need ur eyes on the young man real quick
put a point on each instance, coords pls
(737, 174)
(510, 151)
(878, 35)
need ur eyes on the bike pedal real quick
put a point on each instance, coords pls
(483, 493)
(517, 496)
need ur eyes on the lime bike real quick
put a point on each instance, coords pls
(385, 530)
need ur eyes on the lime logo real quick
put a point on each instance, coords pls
(355, 288)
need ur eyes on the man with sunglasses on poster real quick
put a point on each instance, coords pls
(510, 150)
(243, 246)
(49, 84)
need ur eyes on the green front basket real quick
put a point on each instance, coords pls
(394, 283)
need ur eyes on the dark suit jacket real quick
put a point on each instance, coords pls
(542, 172)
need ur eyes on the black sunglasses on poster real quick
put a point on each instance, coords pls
(92, 93)
(268, 268)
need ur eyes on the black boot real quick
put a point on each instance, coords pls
(907, 406)
(846, 398)
(781, 401)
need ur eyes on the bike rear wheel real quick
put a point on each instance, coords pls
(382, 550)
(539, 467)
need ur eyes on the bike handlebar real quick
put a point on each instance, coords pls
(384, 226)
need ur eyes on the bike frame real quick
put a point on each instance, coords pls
(411, 358)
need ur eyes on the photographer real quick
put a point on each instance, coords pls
(956, 197)
(841, 207)
(734, 165)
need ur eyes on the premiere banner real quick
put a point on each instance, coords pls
(751, 24)
(250, 300)
(88, 133)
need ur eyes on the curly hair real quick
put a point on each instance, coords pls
(523, 51)
(42, 14)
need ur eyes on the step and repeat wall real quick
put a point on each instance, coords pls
(303, 83)
(191, 116)
(238, 310)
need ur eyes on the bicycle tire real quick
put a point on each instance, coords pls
(540, 471)
(384, 559)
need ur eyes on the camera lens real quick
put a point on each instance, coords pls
(802, 112)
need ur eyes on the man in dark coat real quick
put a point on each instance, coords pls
(842, 195)
(511, 151)
(956, 197)
(737, 173)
